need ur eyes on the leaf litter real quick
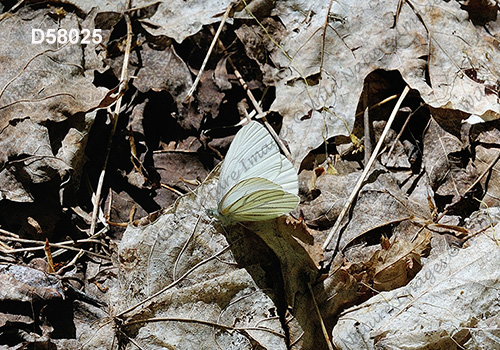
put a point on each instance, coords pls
(413, 263)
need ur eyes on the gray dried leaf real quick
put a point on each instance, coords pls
(205, 297)
(440, 308)
(322, 62)
(25, 284)
(37, 95)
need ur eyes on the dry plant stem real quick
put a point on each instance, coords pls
(183, 249)
(384, 101)
(254, 101)
(179, 193)
(108, 214)
(42, 243)
(367, 169)
(323, 328)
(8, 233)
(48, 254)
(296, 340)
(14, 8)
(116, 113)
(207, 56)
(67, 245)
(323, 37)
(56, 245)
(208, 323)
(366, 127)
(71, 263)
(63, 246)
(132, 340)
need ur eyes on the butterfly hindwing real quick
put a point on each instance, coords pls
(256, 199)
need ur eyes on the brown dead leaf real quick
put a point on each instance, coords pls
(398, 158)
(381, 205)
(485, 142)
(308, 239)
(297, 266)
(207, 104)
(259, 41)
(419, 40)
(24, 284)
(176, 167)
(221, 77)
(177, 19)
(398, 262)
(163, 70)
(333, 189)
(42, 113)
(336, 292)
(299, 254)
(191, 274)
(448, 175)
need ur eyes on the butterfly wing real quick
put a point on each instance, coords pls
(254, 153)
(256, 181)
(256, 199)
(287, 177)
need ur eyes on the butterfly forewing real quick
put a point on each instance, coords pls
(287, 177)
(252, 153)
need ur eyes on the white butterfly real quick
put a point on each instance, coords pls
(256, 181)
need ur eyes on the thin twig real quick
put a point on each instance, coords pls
(378, 104)
(48, 255)
(8, 233)
(255, 104)
(177, 192)
(116, 113)
(71, 263)
(366, 127)
(367, 169)
(249, 93)
(42, 243)
(56, 245)
(209, 52)
(323, 328)
(66, 245)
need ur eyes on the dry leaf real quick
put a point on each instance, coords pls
(419, 41)
(201, 279)
(440, 308)
(487, 135)
(395, 265)
(443, 163)
(163, 70)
